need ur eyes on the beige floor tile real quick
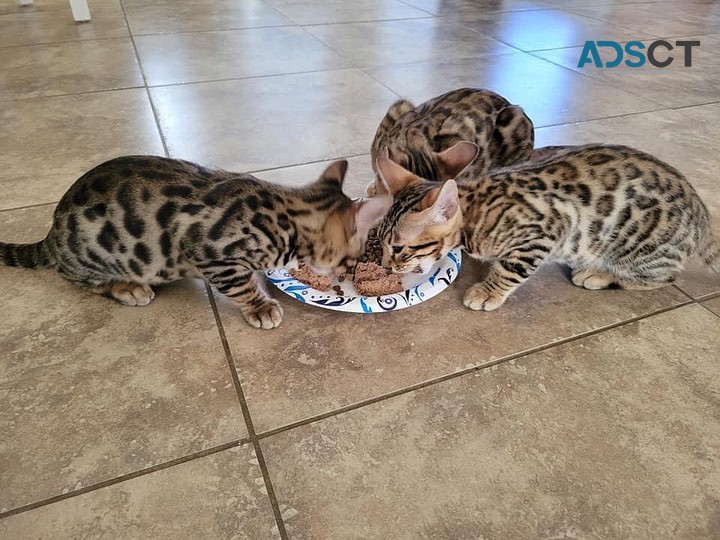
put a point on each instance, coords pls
(205, 56)
(165, 16)
(614, 436)
(450, 8)
(293, 119)
(49, 143)
(708, 42)
(92, 389)
(35, 27)
(549, 94)
(395, 42)
(358, 176)
(340, 11)
(68, 68)
(545, 29)
(659, 19)
(713, 305)
(673, 86)
(685, 138)
(217, 496)
(319, 360)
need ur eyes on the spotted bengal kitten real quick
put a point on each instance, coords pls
(139, 221)
(615, 215)
(420, 138)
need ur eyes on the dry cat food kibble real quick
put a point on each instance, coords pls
(373, 248)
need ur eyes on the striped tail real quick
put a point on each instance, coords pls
(711, 254)
(35, 255)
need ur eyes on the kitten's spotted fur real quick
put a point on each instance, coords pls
(615, 215)
(420, 138)
(138, 221)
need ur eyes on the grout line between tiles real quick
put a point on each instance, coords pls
(688, 296)
(430, 13)
(266, 76)
(144, 77)
(368, 21)
(27, 206)
(659, 109)
(324, 160)
(123, 478)
(31, 45)
(59, 42)
(462, 372)
(66, 94)
(708, 309)
(246, 415)
(708, 296)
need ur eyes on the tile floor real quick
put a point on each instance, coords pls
(566, 414)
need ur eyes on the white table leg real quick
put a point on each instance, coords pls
(80, 10)
(25, 2)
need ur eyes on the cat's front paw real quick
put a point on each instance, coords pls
(266, 316)
(478, 298)
(132, 294)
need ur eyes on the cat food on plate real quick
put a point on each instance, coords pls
(371, 279)
(316, 281)
(370, 289)
(368, 276)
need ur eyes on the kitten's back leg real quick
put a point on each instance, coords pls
(130, 294)
(593, 279)
(127, 293)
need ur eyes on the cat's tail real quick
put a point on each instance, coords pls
(35, 255)
(711, 254)
(709, 249)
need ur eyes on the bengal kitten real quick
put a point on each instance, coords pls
(615, 215)
(426, 139)
(139, 221)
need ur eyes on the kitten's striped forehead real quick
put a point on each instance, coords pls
(407, 201)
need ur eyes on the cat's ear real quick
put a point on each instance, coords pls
(455, 159)
(395, 177)
(446, 204)
(367, 212)
(335, 173)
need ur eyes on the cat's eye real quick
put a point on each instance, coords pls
(396, 249)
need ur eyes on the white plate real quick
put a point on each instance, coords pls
(418, 288)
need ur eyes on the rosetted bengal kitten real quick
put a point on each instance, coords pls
(139, 221)
(615, 215)
(420, 138)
